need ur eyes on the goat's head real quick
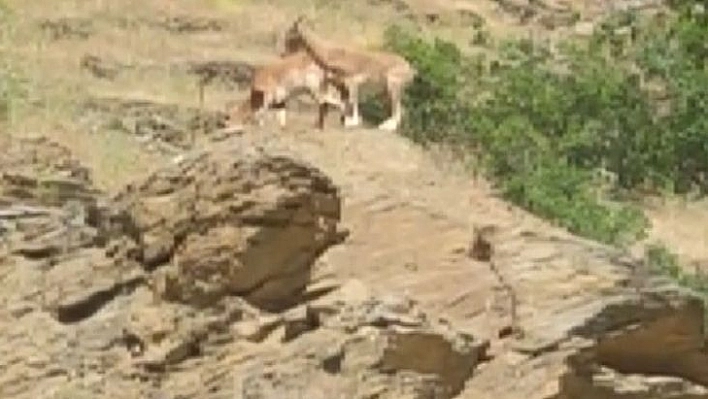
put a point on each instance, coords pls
(293, 39)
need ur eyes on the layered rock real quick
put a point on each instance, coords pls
(233, 222)
(198, 282)
(641, 346)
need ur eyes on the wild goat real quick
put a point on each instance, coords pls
(273, 84)
(351, 68)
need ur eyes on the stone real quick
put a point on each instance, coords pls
(235, 223)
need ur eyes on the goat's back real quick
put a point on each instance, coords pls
(288, 72)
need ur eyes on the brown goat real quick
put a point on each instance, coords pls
(352, 67)
(273, 84)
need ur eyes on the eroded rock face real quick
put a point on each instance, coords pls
(648, 346)
(358, 345)
(48, 204)
(41, 172)
(234, 222)
(607, 383)
(196, 283)
(336, 346)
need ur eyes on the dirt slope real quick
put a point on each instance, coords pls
(113, 82)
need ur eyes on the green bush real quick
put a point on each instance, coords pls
(11, 92)
(11, 87)
(441, 74)
(677, 56)
(544, 125)
(660, 260)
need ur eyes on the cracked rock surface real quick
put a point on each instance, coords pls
(213, 277)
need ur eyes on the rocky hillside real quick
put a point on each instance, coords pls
(230, 272)
(144, 255)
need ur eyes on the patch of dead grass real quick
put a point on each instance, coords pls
(683, 226)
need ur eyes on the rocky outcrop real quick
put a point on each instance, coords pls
(401, 338)
(209, 260)
(647, 346)
(206, 280)
(627, 337)
(47, 201)
(164, 128)
(40, 172)
(339, 340)
(233, 222)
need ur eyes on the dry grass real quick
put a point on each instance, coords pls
(126, 33)
(683, 227)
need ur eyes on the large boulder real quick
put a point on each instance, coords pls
(594, 323)
(649, 346)
(348, 343)
(233, 223)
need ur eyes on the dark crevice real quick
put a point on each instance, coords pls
(38, 252)
(88, 306)
(333, 363)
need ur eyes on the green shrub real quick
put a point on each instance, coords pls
(660, 260)
(677, 56)
(440, 75)
(564, 194)
(534, 143)
(11, 92)
(11, 84)
(544, 125)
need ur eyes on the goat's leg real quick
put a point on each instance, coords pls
(259, 117)
(395, 97)
(276, 103)
(321, 114)
(332, 92)
(319, 94)
(258, 103)
(352, 117)
(271, 101)
(280, 113)
(339, 99)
